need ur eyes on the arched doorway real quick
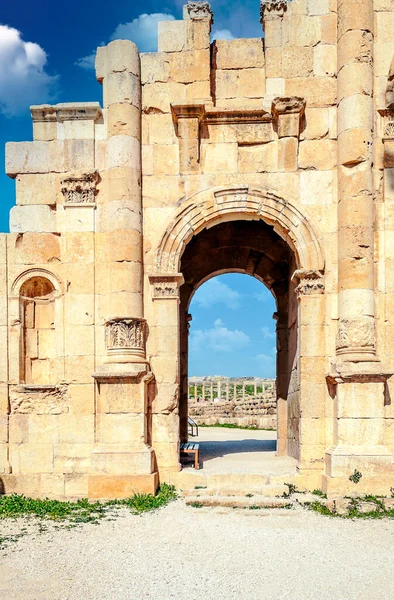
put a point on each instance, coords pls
(245, 231)
(253, 248)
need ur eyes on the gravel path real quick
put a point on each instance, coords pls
(209, 554)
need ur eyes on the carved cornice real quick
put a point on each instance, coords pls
(198, 10)
(125, 336)
(217, 116)
(68, 111)
(272, 7)
(80, 189)
(166, 286)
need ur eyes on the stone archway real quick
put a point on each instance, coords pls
(209, 207)
(289, 259)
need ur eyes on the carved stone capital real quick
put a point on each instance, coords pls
(289, 105)
(166, 286)
(125, 336)
(389, 130)
(80, 189)
(198, 10)
(288, 114)
(272, 7)
(310, 283)
(356, 336)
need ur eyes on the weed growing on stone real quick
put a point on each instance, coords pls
(355, 477)
(292, 489)
(319, 493)
(200, 487)
(354, 509)
(140, 503)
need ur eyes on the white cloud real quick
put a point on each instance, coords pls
(23, 79)
(268, 334)
(142, 31)
(214, 292)
(222, 34)
(264, 295)
(218, 338)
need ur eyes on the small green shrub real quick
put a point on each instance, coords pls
(355, 477)
(319, 493)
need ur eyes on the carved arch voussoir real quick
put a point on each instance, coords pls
(212, 206)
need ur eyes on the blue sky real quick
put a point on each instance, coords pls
(232, 331)
(46, 56)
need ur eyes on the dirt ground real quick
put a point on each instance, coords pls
(199, 553)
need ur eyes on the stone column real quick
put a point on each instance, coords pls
(356, 334)
(122, 460)
(227, 391)
(195, 393)
(243, 391)
(119, 217)
(235, 391)
(219, 390)
(203, 391)
(211, 391)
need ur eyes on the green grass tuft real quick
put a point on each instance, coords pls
(320, 494)
(81, 511)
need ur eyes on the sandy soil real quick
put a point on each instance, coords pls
(197, 553)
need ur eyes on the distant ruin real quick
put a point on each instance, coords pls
(242, 402)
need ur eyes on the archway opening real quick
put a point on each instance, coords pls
(250, 248)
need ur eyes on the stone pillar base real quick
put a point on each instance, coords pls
(121, 486)
(122, 460)
(375, 463)
(341, 486)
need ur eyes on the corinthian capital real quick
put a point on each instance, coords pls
(272, 7)
(197, 10)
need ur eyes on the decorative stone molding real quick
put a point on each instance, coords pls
(310, 283)
(80, 189)
(272, 7)
(356, 336)
(166, 287)
(67, 111)
(126, 336)
(198, 10)
(210, 206)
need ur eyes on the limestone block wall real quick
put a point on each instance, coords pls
(295, 129)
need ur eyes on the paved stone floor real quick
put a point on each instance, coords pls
(187, 553)
(241, 451)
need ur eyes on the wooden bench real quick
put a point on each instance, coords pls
(192, 448)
